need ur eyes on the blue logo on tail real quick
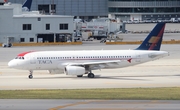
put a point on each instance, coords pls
(154, 39)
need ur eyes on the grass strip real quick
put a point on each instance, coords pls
(120, 93)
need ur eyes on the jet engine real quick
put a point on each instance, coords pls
(74, 70)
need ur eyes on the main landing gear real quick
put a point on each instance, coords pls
(90, 75)
(31, 74)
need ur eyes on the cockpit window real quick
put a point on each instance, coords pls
(19, 57)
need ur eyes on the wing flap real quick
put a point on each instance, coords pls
(96, 64)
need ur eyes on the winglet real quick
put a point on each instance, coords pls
(154, 39)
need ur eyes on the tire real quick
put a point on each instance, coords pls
(30, 76)
(90, 75)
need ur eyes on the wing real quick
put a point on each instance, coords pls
(96, 64)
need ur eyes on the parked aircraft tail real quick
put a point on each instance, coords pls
(27, 5)
(154, 39)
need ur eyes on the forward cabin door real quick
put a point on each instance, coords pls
(138, 57)
(33, 61)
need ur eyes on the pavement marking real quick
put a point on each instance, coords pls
(109, 103)
(64, 106)
(108, 109)
(73, 104)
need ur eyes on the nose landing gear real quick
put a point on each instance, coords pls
(31, 74)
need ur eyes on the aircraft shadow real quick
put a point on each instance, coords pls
(108, 77)
(96, 77)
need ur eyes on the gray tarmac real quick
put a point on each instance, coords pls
(150, 26)
(159, 73)
(170, 27)
(141, 37)
(22, 104)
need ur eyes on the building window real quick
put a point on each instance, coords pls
(39, 19)
(31, 39)
(47, 26)
(63, 26)
(22, 39)
(53, 8)
(26, 26)
(43, 8)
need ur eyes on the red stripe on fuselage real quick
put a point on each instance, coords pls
(24, 53)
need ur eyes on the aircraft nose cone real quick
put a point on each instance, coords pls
(11, 64)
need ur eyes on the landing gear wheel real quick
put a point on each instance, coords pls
(79, 75)
(90, 75)
(30, 76)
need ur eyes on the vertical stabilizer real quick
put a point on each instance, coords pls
(27, 5)
(154, 39)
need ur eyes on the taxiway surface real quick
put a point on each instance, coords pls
(159, 73)
(20, 104)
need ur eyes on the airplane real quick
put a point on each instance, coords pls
(81, 62)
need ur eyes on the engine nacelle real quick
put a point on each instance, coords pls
(74, 70)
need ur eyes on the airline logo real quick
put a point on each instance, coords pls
(154, 39)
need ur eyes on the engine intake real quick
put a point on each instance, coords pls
(74, 70)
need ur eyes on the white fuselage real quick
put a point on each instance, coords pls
(57, 60)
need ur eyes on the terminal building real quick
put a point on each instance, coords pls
(144, 9)
(123, 9)
(32, 26)
(84, 9)
(52, 20)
